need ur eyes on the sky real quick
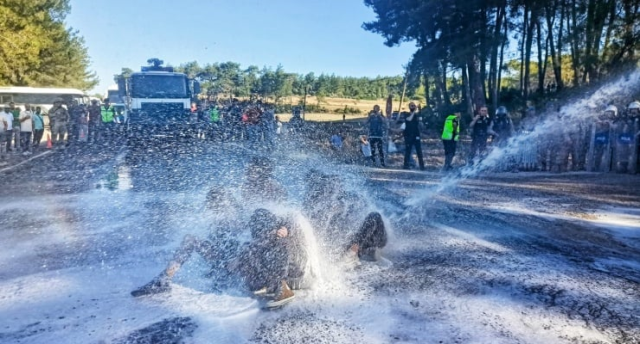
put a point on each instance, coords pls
(320, 36)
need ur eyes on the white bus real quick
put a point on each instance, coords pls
(40, 96)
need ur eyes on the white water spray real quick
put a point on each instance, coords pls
(585, 109)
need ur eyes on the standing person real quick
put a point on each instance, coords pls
(633, 111)
(502, 129)
(450, 137)
(38, 127)
(479, 134)
(378, 128)
(268, 124)
(411, 134)
(95, 120)
(3, 131)
(107, 125)
(82, 122)
(8, 132)
(59, 121)
(76, 111)
(26, 129)
(15, 112)
(278, 126)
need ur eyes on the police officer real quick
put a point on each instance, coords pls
(95, 121)
(107, 114)
(624, 142)
(479, 133)
(501, 127)
(59, 121)
(450, 137)
(633, 112)
(76, 111)
(412, 123)
(600, 151)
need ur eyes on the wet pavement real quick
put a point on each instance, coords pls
(498, 258)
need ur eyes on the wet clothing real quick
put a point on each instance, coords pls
(266, 189)
(370, 237)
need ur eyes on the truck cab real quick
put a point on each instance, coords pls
(159, 102)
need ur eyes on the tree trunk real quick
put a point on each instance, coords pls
(556, 58)
(504, 42)
(495, 47)
(522, 47)
(542, 62)
(467, 89)
(573, 34)
(427, 98)
(475, 81)
(527, 67)
(445, 92)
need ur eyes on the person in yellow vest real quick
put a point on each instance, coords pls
(450, 137)
(108, 114)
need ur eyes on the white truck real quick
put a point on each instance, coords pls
(159, 102)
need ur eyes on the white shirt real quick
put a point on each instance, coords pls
(26, 126)
(8, 118)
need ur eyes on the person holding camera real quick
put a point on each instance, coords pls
(479, 134)
(411, 122)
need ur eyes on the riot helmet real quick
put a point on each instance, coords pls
(634, 109)
(501, 112)
(611, 112)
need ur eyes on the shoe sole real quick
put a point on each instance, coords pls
(278, 304)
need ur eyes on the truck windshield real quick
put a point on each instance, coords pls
(158, 86)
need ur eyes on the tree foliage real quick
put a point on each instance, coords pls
(36, 48)
(467, 39)
(229, 79)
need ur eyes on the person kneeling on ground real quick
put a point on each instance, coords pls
(268, 264)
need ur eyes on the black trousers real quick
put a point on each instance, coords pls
(37, 137)
(376, 144)
(478, 146)
(409, 143)
(449, 152)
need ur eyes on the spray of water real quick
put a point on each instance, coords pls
(570, 115)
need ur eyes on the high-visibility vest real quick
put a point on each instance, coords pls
(450, 130)
(214, 115)
(107, 114)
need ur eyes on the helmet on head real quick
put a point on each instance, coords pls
(613, 110)
(634, 105)
(501, 111)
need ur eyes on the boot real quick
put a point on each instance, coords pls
(284, 297)
(158, 285)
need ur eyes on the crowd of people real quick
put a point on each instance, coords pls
(269, 254)
(607, 142)
(22, 129)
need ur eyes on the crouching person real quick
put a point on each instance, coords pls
(368, 241)
(267, 264)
